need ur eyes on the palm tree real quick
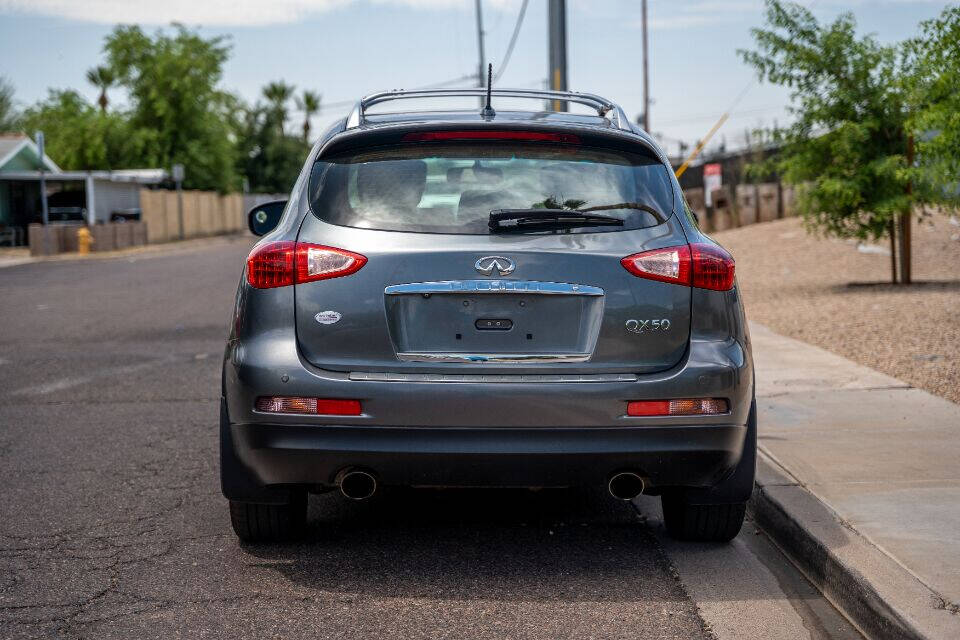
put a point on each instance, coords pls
(278, 94)
(8, 114)
(102, 78)
(309, 103)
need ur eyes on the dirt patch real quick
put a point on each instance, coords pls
(835, 294)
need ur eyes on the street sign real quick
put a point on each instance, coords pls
(177, 173)
(712, 179)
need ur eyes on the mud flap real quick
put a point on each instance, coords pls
(236, 481)
(738, 486)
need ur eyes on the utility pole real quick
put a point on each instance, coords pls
(557, 30)
(177, 173)
(44, 210)
(482, 61)
(906, 277)
(646, 77)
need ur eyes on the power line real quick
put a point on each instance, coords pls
(724, 117)
(445, 83)
(714, 116)
(513, 41)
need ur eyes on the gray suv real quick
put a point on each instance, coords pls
(487, 298)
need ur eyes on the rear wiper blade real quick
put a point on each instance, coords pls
(517, 219)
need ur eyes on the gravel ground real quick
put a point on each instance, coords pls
(837, 296)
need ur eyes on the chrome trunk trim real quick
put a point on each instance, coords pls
(493, 286)
(500, 358)
(377, 376)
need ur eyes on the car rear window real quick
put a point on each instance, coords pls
(452, 188)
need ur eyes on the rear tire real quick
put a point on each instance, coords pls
(702, 522)
(254, 522)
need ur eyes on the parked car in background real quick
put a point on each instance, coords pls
(126, 215)
(498, 299)
(67, 206)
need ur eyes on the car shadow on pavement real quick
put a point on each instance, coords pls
(574, 545)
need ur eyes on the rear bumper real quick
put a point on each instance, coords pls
(497, 431)
(682, 455)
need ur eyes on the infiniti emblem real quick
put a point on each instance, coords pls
(503, 266)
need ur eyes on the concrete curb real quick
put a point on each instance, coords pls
(881, 597)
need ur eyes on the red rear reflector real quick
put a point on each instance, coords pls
(313, 406)
(530, 136)
(648, 408)
(702, 265)
(279, 264)
(684, 407)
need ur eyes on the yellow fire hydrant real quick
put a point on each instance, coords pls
(84, 240)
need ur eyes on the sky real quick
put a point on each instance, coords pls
(347, 48)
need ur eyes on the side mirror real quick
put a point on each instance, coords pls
(265, 217)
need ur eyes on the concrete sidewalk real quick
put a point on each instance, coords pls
(859, 482)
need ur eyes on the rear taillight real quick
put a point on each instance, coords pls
(682, 407)
(667, 265)
(713, 267)
(312, 406)
(278, 264)
(527, 136)
(271, 265)
(702, 265)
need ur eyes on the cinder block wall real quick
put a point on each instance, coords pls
(205, 213)
(741, 205)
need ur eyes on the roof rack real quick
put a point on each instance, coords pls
(602, 105)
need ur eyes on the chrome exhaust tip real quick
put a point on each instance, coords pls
(356, 484)
(625, 485)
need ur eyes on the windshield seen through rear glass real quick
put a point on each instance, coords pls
(452, 188)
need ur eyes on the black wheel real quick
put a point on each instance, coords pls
(702, 522)
(253, 522)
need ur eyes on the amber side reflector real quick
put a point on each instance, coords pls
(312, 406)
(682, 407)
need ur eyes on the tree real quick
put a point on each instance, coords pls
(278, 94)
(309, 103)
(848, 143)
(8, 114)
(80, 137)
(934, 63)
(172, 81)
(269, 159)
(102, 78)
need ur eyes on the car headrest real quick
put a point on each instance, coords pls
(478, 202)
(396, 182)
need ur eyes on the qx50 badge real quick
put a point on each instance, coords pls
(642, 326)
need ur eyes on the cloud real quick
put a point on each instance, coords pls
(697, 14)
(205, 12)
(673, 15)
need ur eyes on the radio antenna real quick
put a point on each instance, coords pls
(488, 111)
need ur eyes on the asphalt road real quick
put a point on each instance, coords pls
(112, 524)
